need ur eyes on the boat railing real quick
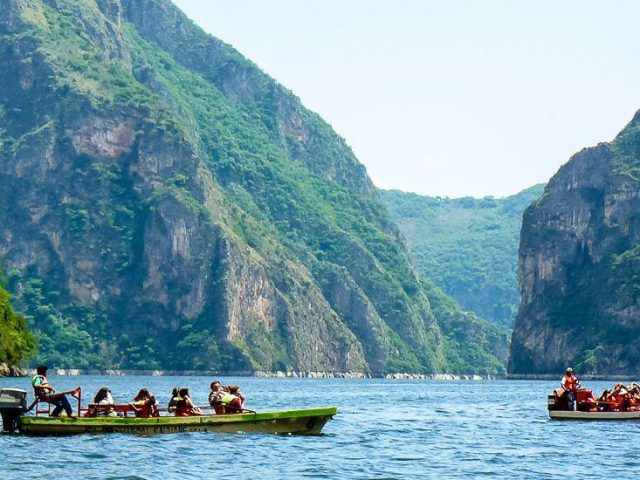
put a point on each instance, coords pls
(124, 409)
(42, 407)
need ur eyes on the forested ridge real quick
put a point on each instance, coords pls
(168, 205)
(467, 246)
(16, 343)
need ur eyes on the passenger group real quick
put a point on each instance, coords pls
(571, 396)
(223, 400)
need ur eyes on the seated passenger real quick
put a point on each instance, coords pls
(235, 390)
(604, 401)
(612, 400)
(175, 397)
(634, 397)
(620, 395)
(233, 401)
(585, 400)
(145, 404)
(215, 397)
(103, 397)
(154, 407)
(185, 407)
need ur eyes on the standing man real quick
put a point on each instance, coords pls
(45, 392)
(570, 384)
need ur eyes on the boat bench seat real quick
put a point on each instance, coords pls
(93, 409)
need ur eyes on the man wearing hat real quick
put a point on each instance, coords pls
(569, 384)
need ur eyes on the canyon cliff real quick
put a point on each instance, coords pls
(579, 265)
(165, 204)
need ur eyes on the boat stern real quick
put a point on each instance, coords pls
(13, 405)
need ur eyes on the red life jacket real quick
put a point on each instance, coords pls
(143, 411)
(569, 383)
(185, 408)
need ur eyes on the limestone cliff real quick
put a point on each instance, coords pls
(580, 265)
(165, 204)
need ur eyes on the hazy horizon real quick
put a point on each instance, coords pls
(450, 99)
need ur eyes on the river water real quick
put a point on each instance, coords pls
(385, 429)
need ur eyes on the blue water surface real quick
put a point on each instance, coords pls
(385, 429)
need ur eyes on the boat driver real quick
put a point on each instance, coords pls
(45, 392)
(570, 384)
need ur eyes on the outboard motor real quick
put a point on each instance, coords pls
(13, 404)
(557, 400)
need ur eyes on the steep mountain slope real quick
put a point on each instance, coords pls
(579, 265)
(471, 344)
(467, 246)
(16, 343)
(167, 205)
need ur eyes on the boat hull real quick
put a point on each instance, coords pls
(302, 422)
(568, 415)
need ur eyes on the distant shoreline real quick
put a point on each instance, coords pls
(319, 374)
(266, 374)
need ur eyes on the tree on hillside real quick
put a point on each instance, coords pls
(16, 343)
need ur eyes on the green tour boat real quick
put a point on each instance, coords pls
(308, 421)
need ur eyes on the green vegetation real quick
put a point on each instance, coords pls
(626, 268)
(311, 216)
(66, 334)
(471, 345)
(16, 342)
(243, 166)
(467, 246)
(626, 150)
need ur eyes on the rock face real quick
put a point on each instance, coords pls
(165, 204)
(580, 266)
(11, 371)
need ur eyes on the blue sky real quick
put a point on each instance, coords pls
(448, 98)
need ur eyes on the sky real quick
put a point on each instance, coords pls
(449, 97)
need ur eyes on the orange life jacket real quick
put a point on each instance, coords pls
(569, 383)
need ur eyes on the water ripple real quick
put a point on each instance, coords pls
(486, 429)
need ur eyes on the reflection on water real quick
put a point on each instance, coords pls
(384, 429)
